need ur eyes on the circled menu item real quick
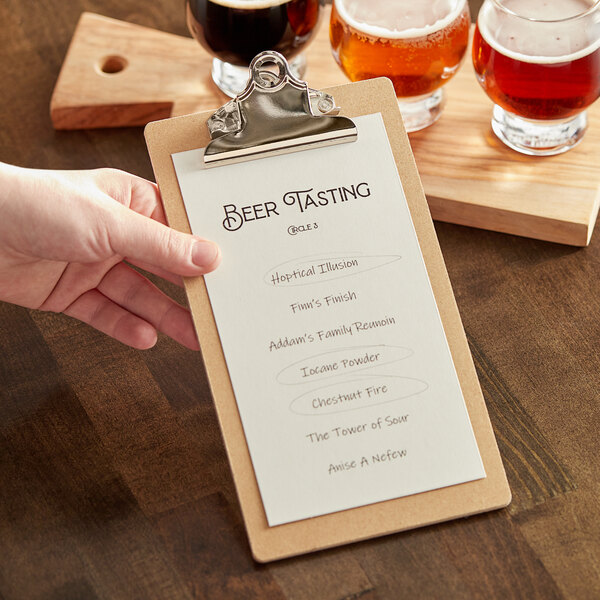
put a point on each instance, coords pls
(340, 366)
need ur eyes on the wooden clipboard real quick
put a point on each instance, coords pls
(271, 543)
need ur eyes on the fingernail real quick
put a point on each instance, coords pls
(204, 253)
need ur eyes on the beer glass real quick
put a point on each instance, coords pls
(235, 31)
(539, 62)
(418, 44)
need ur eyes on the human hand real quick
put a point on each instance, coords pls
(66, 238)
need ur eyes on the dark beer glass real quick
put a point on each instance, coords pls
(235, 31)
(539, 62)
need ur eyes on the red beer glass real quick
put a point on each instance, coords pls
(539, 62)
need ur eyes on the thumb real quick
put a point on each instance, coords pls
(140, 238)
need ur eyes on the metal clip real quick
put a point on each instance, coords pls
(275, 114)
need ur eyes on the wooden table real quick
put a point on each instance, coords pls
(113, 477)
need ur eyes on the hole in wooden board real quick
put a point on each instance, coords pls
(112, 64)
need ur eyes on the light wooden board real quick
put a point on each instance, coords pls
(470, 178)
(269, 543)
(162, 75)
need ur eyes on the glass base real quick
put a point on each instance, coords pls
(421, 111)
(232, 80)
(538, 138)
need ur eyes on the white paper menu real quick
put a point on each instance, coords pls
(337, 356)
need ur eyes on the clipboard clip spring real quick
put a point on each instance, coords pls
(276, 114)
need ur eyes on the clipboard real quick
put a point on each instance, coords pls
(179, 134)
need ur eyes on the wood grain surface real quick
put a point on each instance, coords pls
(113, 477)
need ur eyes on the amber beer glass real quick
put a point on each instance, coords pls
(235, 31)
(418, 44)
(539, 61)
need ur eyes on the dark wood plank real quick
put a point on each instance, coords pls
(209, 547)
(328, 575)
(533, 307)
(64, 510)
(77, 589)
(564, 534)
(162, 465)
(480, 557)
(506, 566)
(534, 471)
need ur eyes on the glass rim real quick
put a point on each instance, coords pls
(585, 13)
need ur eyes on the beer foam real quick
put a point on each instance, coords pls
(400, 19)
(548, 40)
(249, 4)
(548, 10)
